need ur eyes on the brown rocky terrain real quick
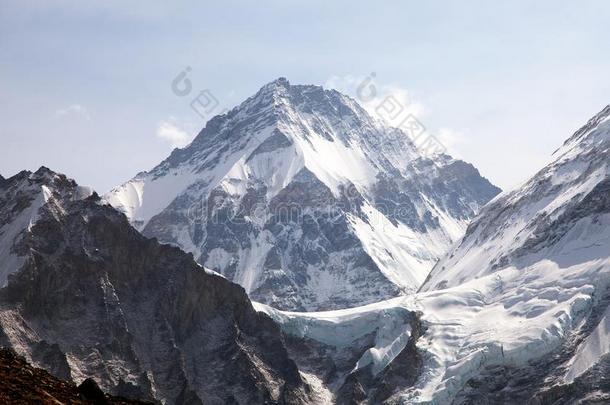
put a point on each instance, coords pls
(20, 383)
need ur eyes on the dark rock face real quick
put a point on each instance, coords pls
(20, 199)
(20, 383)
(310, 230)
(456, 187)
(305, 229)
(96, 299)
(91, 391)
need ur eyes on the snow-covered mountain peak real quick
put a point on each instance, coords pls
(517, 312)
(43, 183)
(296, 127)
(274, 89)
(263, 191)
(594, 133)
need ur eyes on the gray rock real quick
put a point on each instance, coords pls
(95, 298)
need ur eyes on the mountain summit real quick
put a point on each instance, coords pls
(307, 201)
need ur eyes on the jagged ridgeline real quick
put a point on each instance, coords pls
(307, 201)
(87, 296)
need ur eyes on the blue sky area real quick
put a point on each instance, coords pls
(85, 87)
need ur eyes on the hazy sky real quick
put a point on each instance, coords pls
(86, 89)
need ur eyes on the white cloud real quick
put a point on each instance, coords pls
(177, 137)
(378, 98)
(393, 104)
(452, 140)
(73, 110)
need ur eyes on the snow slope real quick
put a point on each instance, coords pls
(589, 353)
(518, 310)
(303, 198)
(532, 270)
(525, 225)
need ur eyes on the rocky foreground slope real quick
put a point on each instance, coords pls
(21, 384)
(307, 201)
(93, 298)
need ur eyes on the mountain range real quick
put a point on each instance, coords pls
(423, 285)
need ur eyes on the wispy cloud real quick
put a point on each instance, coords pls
(392, 103)
(352, 85)
(169, 131)
(453, 140)
(76, 110)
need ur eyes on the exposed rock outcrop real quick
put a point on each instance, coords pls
(96, 299)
